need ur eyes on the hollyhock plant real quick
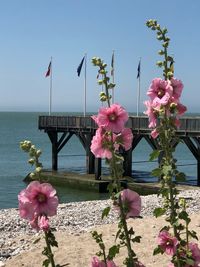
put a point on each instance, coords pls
(40, 223)
(173, 238)
(37, 199)
(152, 112)
(110, 137)
(195, 253)
(124, 139)
(111, 118)
(138, 264)
(38, 202)
(154, 133)
(177, 86)
(167, 242)
(131, 203)
(43, 223)
(160, 91)
(98, 263)
(101, 145)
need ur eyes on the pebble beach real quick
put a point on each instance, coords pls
(74, 218)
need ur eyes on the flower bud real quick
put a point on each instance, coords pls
(102, 71)
(103, 98)
(32, 175)
(39, 152)
(38, 169)
(161, 52)
(165, 44)
(100, 82)
(159, 63)
(31, 161)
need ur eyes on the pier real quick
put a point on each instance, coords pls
(61, 128)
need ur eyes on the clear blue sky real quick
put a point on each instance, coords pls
(33, 31)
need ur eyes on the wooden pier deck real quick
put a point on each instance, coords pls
(61, 128)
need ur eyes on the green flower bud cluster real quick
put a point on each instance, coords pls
(168, 62)
(34, 155)
(105, 81)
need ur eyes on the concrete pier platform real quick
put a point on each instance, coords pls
(88, 182)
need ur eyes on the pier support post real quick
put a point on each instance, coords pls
(97, 168)
(127, 164)
(198, 172)
(90, 158)
(53, 136)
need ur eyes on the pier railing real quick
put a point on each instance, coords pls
(189, 125)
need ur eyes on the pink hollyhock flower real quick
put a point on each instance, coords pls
(177, 86)
(154, 134)
(181, 109)
(160, 91)
(124, 139)
(131, 202)
(177, 122)
(152, 112)
(176, 107)
(138, 264)
(98, 263)
(171, 265)
(40, 223)
(43, 223)
(101, 144)
(111, 264)
(37, 199)
(112, 118)
(167, 243)
(195, 253)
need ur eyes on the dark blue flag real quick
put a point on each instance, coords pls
(80, 66)
(138, 70)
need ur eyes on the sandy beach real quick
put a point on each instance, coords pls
(74, 224)
(77, 249)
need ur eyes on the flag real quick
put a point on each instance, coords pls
(112, 65)
(138, 70)
(48, 70)
(80, 66)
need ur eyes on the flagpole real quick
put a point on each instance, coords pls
(50, 88)
(113, 78)
(138, 90)
(85, 84)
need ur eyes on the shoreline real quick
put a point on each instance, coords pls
(74, 219)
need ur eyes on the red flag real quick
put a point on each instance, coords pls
(49, 70)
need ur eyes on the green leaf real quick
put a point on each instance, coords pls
(157, 172)
(157, 251)
(180, 177)
(113, 251)
(158, 212)
(37, 240)
(136, 239)
(184, 216)
(193, 234)
(154, 155)
(130, 231)
(190, 262)
(105, 212)
(46, 263)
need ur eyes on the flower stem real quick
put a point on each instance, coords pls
(50, 254)
(128, 243)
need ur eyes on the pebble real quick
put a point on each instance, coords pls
(75, 218)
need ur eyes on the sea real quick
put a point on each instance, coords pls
(19, 126)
